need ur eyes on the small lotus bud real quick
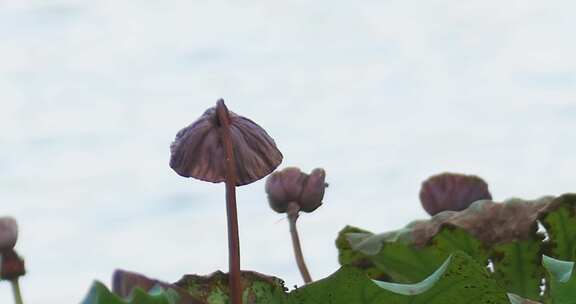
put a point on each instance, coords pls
(198, 150)
(8, 233)
(291, 185)
(12, 265)
(313, 192)
(450, 191)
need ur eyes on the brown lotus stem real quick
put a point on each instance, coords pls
(232, 214)
(16, 291)
(292, 211)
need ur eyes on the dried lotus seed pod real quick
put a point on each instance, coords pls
(451, 191)
(198, 150)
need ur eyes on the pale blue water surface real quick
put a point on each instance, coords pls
(380, 93)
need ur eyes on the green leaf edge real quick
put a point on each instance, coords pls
(560, 270)
(416, 288)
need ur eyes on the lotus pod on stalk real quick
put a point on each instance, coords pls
(224, 147)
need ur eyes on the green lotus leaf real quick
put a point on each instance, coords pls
(213, 289)
(99, 294)
(397, 257)
(503, 235)
(517, 266)
(559, 219)
(458, 280)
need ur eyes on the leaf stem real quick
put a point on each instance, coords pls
(16, 291)
(231, 211)
(293, 209)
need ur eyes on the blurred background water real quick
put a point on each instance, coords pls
(380, 93)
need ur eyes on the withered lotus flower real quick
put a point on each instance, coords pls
(198, 150)
(452, 191)
(224, 147)
(8, 233)
(291, 191)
